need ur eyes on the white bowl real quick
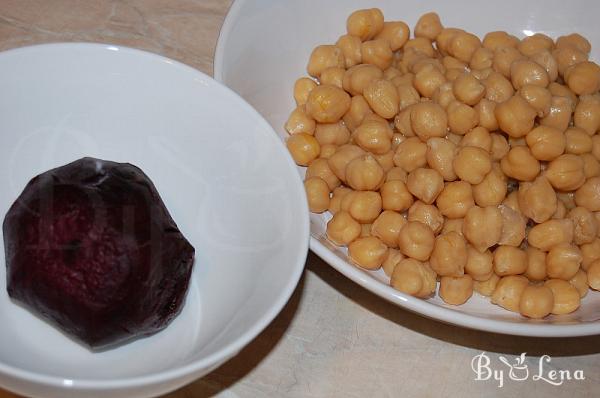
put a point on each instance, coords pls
(225, 177)
(264, 47)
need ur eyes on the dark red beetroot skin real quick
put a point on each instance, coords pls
(91, 247)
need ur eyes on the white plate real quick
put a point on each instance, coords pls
(264, 47)
(225, 177)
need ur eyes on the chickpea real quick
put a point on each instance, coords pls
(392, 259)
(580, 282)
(478, 137)
(513, 227)
(397, 139)
(482, 226)
(351, 48)
(358, 78)
(420, 44)
(407, 78)
(391, 73)
(365, 206)
(332, 133)
(335, 203)
(585, 225)
(364, 173)
(443, 95)
(583, 78)
(414, 277)
(342, 229)
(596, 146)
(468, 89)
(513, 142)
(396, 174)
(591, 166)
(461, 117)
(559, 90)
(416, 240)
(453, 225)
(515, 116)
(444, 39)
(566, 57)
(487, 117)
(342, 157)
(407, 95)
(482, 74)
(386, 160)
(374, 136)
(428, 26)
(482, 58)
(559, 116)
(456, 290)
(568, 199)
(302, 88)
(387, 227)
(411, 154)
(428, 120)
(425, 184)
(512, 201)
(537, 199)
(333, 76)
(509, 260)
(578, 141)
(546, 143)
(486, 288)
(500, 147)
(574, 40)
(365, 24)
(563, 261)
(463, 45)
(498, 88)
(449, 255)
(536, 264)
(539, 98)
(377, 52)
(455, 199)
(593, 275)
(491, 191)
(498, 39)
(561, 210)
(395, 196)
(508, 292)
(317, 194)
(587, 114)
(303, 147)
(545, 59)
(536, 301)
(440, 155)
(428, 79)
(590, 253)
(526, 72)
(503, 59)
(395, 33)
(359, 109)
(550, 233)
(402, 122)
(479, 264)
(327, 103)
(454, 138)
(300, 122)
(535, 43)
(452, 63)
(520, 164)
(453, 74)
(324, 57)
(367, 252)
(426, 214)
(566, 296)
(327, 151)
(320, 168)
(588, 195)
(566, 172)
(472, 164)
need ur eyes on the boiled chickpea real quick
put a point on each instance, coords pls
(420, 44)
(444, 39)
(454, 138)
(568, 199)
(351, 48)
(387, 227)
(402, 122)
(561, 109)
(560, 90)
(365, 230)
(593, 275)
(428, 79)
(396, 174)
(561, 210)
(546, 143)
(472, 164)
(500, 147)
(395, 196)
(566, 172)
(578, 141)
(463, 45)
(407, 95)
(327, 151)
(443, 95)
(492, 190)
(591, 166)
(508, 292)
(486, 288)
(416, 240)
(563, 261)
(566, 296)
(302, 88)
(425, 184)
(545, 59)
(324, 57)
(535, 43)
(327, 103)
(426, 214)
(396, 33)
(317, 194)
(368, 252)
(332, 133)
(580, 282)
(588, 195)
(520, 164)
(411, 154)
(428, 120)
(585, 225)
(567, 57)
(515, 116)
(509, 260)
(482, 58)
(498, 39)
(513, 227)
(461, 117)
(583, 78)
(449, 255)
(359, 109)
(536, 264)
(365, 206)
(504, 58)
(386, 160)
(333, 76)
(482, 74)
(424, 62)
(413, 277)
(587, 114)
(364, 174)
(468, 89)
(574, 40)
(392, 259)
(551, 233)
(342, 157)
(456, 290)
(512, 201)
(365, 24)
(335, 203)
(455, 199)
(538, 97)
(407, 78)
(479, 264)
(596, 146)
(374, 136)
(487, 117)
(303, 147)
(525, 72)
(453, 225)
(452, 63)
(428, 26)
(478, 137)
(300, 122)
(397, 139)
(377, 52)
(439, 156)
(358, 78)
(537, 199)
(498, 88)
(482, 226)
(320, 168)
(536, 301)
(342, 229)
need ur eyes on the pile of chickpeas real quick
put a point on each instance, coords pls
(448, 158)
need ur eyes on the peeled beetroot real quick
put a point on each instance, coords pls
(91, 247)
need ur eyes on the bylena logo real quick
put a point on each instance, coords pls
(519, 370)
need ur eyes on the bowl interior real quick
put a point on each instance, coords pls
(265, 74)
(225, 178)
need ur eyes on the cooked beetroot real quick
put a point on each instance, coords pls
(91, 247)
